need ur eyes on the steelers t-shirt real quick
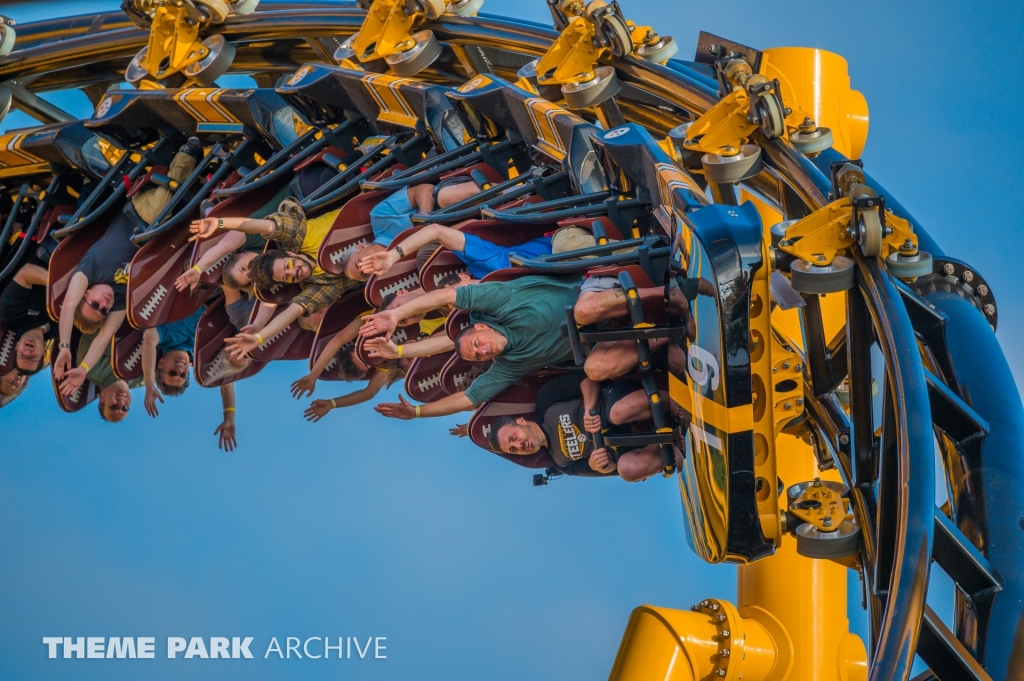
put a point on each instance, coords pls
(568, 442)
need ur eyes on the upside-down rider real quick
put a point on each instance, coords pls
(515, 323)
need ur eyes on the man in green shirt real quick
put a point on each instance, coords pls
(115, 399)
(515, 323)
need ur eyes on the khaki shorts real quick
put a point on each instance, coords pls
(572, 239)
(150, 202)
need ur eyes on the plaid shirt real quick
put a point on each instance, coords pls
(320, 290)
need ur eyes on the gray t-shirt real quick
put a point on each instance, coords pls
(107, 260)
(568, 442)
(526, 311)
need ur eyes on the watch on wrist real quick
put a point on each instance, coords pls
(220, 223)
(65, 346)
(399, 251)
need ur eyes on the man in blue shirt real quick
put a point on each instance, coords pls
(481, 257)
(167, 358)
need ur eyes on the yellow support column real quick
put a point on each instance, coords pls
(807, 596)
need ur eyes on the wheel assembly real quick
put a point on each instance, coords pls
(5, 100)
(769, 111)
(528, 71)
(811, 140)
(912, 266)
(215, 64)
(134, 73)
(345, 50)
(832, 278)
(722, 168)
(613, 34)
(425, 50)
(660, 52)
(243, 7)
(466, 8)
(7, 39)
(603, 86)
(839, 543)
(216, 11)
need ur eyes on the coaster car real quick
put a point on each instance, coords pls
(53, 162)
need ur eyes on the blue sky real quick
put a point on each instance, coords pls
(360, 526)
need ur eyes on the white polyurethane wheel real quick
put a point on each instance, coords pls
(7, 39)
(216, 10)
(243, 7)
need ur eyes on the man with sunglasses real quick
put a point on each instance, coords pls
(23, 311)
(96, 294)
(167, 358)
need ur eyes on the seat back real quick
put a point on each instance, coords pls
(86, 393)
(458, 373)
(291, 342)
(213, 329)
(423, 381)
(338, 316)
(127, 356)
(152, 298)
(403, 275)
(68, 254)
(351, 229)
(517, 400)
(8, 353)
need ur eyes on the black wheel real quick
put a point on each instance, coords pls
(832, 278)
(215, 64)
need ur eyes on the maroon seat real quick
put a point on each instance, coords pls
(51, 219)
(640, 277)
(8, 352)
(338, 316)
(213, 328)
(423, 381)
(291, 342)
(403, 275)
(143, 181)
(127, 357)
(152, 298)
(86, 393)
(517, 400)
(455, 376)
(492, 175)
(402, 335)
(351, 229)
(317, 158)
(68, 254)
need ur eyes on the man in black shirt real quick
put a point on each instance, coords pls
(565, 427)
(23, 311)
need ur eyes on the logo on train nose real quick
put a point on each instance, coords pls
(300, 74)
(617, 132)
(104, 107)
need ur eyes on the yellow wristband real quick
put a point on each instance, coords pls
(400, 350)
(417, 410)
(259, 339)
(229, 409)
(84, 365)
(334, 405)
(197, 268)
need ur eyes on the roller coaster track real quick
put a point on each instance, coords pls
(940, 372)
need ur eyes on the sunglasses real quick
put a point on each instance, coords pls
(173, 373)
(114, 407)
(96, 306)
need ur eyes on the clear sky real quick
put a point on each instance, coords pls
(361, 526)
